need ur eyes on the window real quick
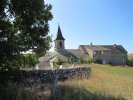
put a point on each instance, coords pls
(97, 52)
(60, 44)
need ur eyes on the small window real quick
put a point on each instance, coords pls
(60, 43)
(97, 52)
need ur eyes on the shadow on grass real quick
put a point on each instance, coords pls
(64, 92)
(15, 91)
(74, 93)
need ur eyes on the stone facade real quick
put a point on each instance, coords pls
(107, 54)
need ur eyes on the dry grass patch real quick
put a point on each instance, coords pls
(115, 81)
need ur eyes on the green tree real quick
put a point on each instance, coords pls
(23, 26)
(32, 60)
(28, 60)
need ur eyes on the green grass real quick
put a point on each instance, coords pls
(122, 71)
(107, 83)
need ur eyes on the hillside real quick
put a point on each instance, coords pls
(130, 55)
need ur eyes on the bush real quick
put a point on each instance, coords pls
(97, 61)
(59, 61)
(110, 62)
(90, 60)
(81, 60)
(130, 62)
(71, 60)
(28, 60)
(25, 60)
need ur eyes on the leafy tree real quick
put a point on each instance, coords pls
(23, 26)
(28, 60)
(32, 60)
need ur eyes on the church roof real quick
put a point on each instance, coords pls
(59, 34)
(98, 47)
(48, 56)
(112, 48)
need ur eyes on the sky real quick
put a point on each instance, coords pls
(102, 22)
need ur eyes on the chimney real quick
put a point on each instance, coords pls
(91, 44)
(115, 45)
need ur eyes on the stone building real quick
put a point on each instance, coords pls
(106, 54)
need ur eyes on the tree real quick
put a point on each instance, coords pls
(28, 60)
(23, 26)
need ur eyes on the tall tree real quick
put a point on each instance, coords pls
(23, 26)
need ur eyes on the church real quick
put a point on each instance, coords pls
(106, 54)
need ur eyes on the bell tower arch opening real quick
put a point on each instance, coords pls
(60, 43)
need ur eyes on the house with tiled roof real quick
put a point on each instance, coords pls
(107, 54)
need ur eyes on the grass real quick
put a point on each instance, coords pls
(107, 83)
(122, 71)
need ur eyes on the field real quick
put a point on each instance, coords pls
(107, 83)
(130, 55)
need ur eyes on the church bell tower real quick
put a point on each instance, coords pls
(59, 41)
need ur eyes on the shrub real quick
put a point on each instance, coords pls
(90, 60)
(110, 62)
(80, 60)
(71, 60)
(28, 60)
(130, 62)
(98, 61)
(24, 60)
(59, 61)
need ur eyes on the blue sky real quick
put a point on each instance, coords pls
(102, 22)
